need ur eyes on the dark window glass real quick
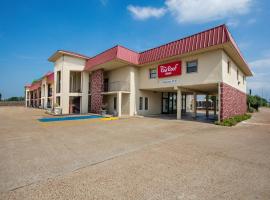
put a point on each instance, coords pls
(192, 66)
(141, 103)
(114, 103)
(146, 103)
(58, 101)
(58, 82)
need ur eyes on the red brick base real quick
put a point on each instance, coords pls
(96, 90)
(232, 101)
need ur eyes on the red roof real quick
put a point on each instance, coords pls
(215, 36)
(117, 52)
(49, 76)
(35, 86)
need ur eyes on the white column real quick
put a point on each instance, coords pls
(219, 102)
(45, 96)
(194, 105)
(207, 105)
(119, 103)
(26, 97)
(84, 88)
(179, 103)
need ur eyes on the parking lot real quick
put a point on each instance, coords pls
(133, 158)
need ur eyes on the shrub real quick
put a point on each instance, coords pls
(232, 121)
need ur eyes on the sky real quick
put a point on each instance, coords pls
(31, 31)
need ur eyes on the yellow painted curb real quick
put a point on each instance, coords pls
(109, 118)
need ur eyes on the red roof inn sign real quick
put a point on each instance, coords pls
(169, 69)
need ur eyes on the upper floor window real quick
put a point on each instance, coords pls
(75, 81)
(58, 82)
(237, 74)
(229, 67)
(192, 66)
(244, 79)
(153, 73)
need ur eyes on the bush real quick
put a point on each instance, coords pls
(251, 110)
(232, 121)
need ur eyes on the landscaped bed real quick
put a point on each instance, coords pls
(232, 121)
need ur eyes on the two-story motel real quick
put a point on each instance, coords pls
(153, 82)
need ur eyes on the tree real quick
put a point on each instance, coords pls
(0, 97)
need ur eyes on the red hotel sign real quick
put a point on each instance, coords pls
(169, 69)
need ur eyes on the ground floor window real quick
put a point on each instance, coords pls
(141, 103)
(58, 101)
(169, 102)
(114, 103)
(146, 103)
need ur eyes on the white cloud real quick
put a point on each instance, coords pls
(260, 80)
(197, 11)
(142, 13)
(233, 23)
(260, 64)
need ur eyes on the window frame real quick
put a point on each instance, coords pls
(229, 67)
(187, 67)
(115, 103)
(146, 103)
(151, 74)
(140, 103)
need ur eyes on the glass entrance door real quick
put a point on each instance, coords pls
(169, 102)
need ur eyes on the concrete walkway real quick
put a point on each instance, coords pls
(135, 158)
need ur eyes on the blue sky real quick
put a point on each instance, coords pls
(30, 31)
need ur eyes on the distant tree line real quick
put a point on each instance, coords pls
(255, 101)
(12, 98)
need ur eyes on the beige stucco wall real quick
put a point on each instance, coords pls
(154, 102)
(65, 64)
(231, 78)
(209, 71)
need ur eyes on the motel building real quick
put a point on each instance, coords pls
(167, 80)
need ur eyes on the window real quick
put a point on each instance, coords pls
(153, 73)
(244, 78)
(229, 67)
(75, 81)
(192, 66)
(58, 82)
(141, 103)
(237, 74)
(58, 101)
(146, 103)
(114, 102)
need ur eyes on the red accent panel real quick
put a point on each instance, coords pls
(96, 90)
(169, 69)
(232, 101)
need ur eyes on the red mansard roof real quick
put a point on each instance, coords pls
(215, 36)
(117, 52)
(208, 38)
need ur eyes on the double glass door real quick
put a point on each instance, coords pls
(169, 102)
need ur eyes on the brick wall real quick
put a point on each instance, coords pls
(232, 101)
(96, 89)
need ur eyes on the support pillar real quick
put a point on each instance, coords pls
(119, 103)
(207, 106)
(219, 102)
(179, 103)
(194, 105)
